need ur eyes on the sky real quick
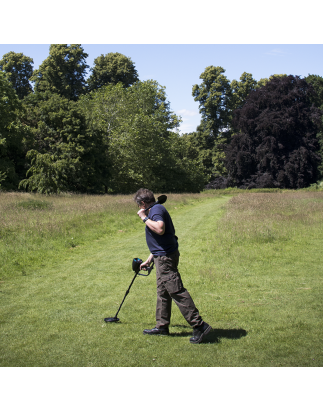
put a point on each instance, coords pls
(178, 66)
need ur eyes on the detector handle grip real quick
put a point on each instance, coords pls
(136, 262)
(148, 270)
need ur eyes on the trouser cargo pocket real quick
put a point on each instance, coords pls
(172, 283)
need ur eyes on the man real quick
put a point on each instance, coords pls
(163, 246)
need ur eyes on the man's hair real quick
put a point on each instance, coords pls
(145, 195)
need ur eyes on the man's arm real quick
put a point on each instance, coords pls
(157, 227)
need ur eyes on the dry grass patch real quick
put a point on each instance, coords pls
(259, 217)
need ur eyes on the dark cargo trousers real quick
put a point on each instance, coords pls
(170, 287)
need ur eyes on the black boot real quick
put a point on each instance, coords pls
(157, 331)
(199, 333)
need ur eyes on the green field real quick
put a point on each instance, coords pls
(252, 262)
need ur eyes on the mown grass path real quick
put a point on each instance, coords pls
(262, 296)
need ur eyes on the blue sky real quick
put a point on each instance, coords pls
(178, 66)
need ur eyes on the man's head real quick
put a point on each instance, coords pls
(143, 195)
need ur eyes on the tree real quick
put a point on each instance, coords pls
(63, 71)
(11, 136)
(218, 98)
(241, 90)
(263, 81)
(188, 153)
(134, 132)
(213, 95)
(139, 141)
(200, 148)
(317, 99)
(277, 144)
(317, 82)
(66, 153)
(112, 68)
(20, 69)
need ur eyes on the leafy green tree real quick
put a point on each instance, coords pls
(139, 141)
(134, 131)
(20, 69)
(63, 71)
(218, 97)
(241, 90)
(112, 68)
(66, 152)
(182, 170)
(277, 145)
(317, 82)
(200, 147)
(213, 95)
(12, 154)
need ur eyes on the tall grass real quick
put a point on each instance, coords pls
(266, 226)
(35, 228)
(261, 218)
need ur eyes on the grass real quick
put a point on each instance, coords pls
(35, 229)
(251, 261)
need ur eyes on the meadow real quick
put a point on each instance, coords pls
(251, 260)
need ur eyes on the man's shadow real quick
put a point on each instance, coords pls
(214, 336)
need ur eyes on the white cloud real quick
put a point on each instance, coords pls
(186, 128)
(190, 120)
(276, 52)
(186, 113)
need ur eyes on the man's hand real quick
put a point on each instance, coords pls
(141, 213)
(143, 266)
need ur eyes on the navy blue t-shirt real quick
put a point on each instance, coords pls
(161, 244)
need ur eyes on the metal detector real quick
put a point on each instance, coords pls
(160, 200)
(136, 268)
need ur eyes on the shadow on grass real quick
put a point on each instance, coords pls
(214, 336)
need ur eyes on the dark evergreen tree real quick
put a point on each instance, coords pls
(277, 145)
(12, 133)
(65, 152)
